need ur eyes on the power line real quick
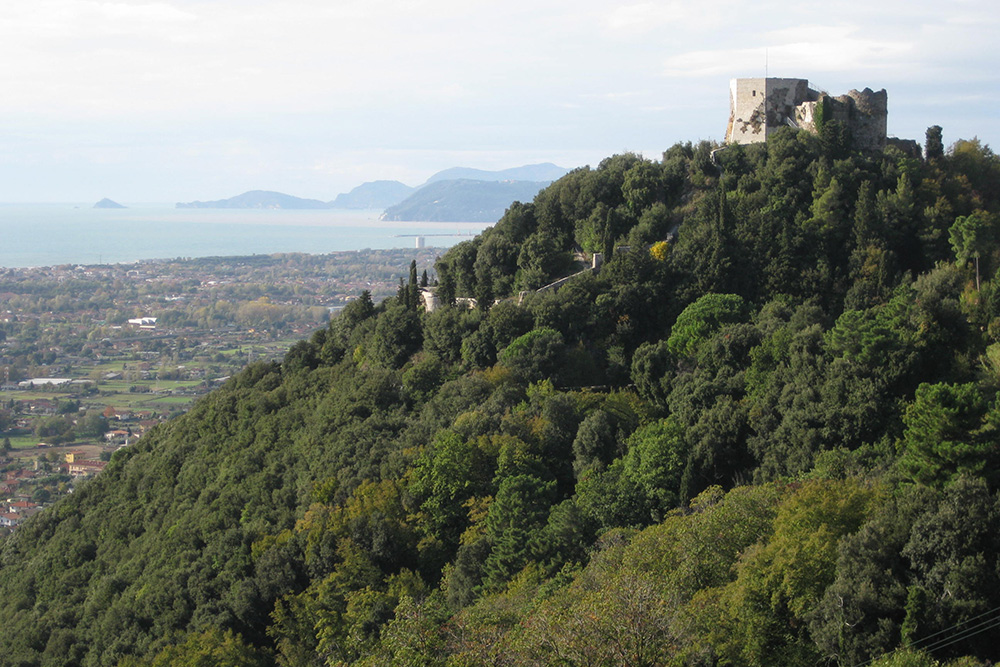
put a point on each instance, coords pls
(944, 642)
(963, 635)
(949, 629)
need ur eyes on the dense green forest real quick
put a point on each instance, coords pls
(763, 433)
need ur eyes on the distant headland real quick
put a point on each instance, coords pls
(452, 195)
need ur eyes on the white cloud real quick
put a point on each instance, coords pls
(301, 83)
(806, 48)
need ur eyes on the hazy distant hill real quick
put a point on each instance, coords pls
(544, 172)
(259, 199)
(462, 200)
(108, 203)
(375, 194)
(459, 194)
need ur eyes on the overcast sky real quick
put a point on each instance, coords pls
(174, 100)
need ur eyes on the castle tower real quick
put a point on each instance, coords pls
(758, 107)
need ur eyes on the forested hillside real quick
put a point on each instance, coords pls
(768, 439)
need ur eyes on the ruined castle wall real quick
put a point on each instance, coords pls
(805, 116)
(759, 107)
(783, 96)
(837, 109)
(868, 120)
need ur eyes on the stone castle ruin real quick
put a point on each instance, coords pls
(759, 107)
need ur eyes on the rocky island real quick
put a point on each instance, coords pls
(107, 203)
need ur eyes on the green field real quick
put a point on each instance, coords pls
(132, 392)
(23, 441)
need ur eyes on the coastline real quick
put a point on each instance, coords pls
(56, 234)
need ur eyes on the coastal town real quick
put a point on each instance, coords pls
(94, 356)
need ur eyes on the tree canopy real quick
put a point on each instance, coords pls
(762, 432)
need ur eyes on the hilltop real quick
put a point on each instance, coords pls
(373, 195)
(767, 438)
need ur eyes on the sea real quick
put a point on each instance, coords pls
(56, 234)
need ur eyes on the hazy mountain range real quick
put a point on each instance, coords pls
(454, 195)
(463, 200)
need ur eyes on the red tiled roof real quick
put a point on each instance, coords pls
(23, 504)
